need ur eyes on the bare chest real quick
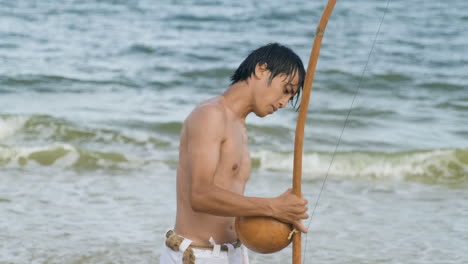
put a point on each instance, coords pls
(235, 159)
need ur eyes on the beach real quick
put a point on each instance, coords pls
(93, 95)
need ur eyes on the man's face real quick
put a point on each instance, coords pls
(275, 95)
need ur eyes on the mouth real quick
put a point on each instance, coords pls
(274, 108)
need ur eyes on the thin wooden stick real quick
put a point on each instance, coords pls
(301, 119)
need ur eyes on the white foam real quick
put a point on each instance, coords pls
(433, 164)
(10, 124)
(16, 156)
(19, 155)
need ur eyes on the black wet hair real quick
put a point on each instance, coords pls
(279, 60)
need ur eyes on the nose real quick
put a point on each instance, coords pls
(284, 101)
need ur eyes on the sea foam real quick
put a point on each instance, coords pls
(9, 125)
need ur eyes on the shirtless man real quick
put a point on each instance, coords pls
(214, 161)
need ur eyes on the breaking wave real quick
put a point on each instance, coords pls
(445, 166)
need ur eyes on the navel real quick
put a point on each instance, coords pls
(235, 166)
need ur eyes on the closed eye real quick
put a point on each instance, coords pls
(293, 93)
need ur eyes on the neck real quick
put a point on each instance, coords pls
(238, 98)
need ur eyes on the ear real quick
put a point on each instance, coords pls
(260, 70)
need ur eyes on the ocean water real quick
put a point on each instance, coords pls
(93, 95)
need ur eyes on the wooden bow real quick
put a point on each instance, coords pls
(301, 119)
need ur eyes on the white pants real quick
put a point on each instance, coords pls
(206, 256)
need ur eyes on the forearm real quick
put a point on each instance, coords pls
(218, 201)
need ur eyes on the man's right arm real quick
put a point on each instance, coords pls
(205, 128)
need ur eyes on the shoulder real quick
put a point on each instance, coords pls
(209, 109)
(207, 117)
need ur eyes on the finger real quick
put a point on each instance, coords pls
(299, 217)
(304, 216)
(301, 227)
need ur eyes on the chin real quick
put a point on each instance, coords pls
(261, 114)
